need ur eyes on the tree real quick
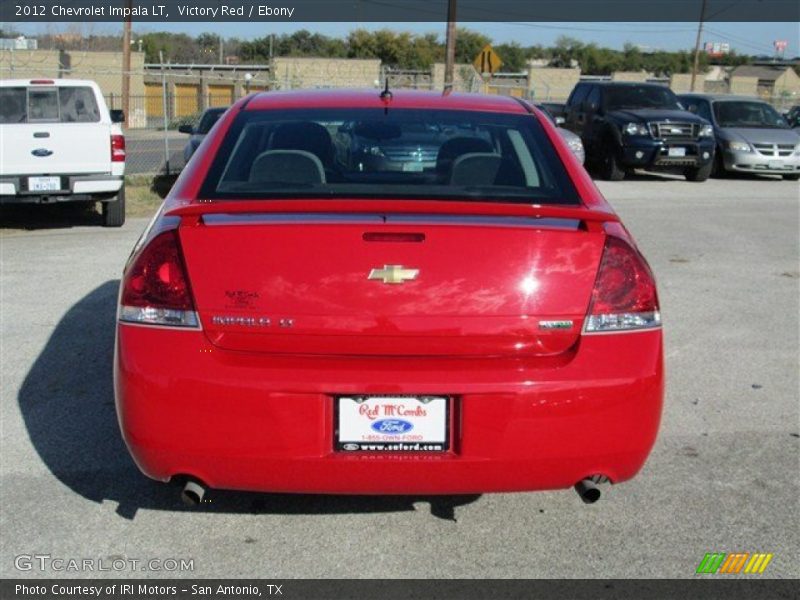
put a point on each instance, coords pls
(395, 49)
(632, 59)
(565, 52)
(208, 47)
(514, 57)
(177, 47)
(469, 44)
(427, 50)
(361, 44)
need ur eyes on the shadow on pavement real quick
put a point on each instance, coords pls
(49, 216)
(67, 403)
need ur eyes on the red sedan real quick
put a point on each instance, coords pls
(387, 293)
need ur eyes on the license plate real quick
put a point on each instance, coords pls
(392, 424)
(776, 164)
(44, 184)
(676, 152)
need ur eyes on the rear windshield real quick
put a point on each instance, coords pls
(377, 153)
(646, 96)
(748, 114)
(48, 105)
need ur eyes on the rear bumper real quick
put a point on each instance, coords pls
(14, 188)
(654, 154)
(265, 423)
(754, 162)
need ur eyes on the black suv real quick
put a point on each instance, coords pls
(626, 126)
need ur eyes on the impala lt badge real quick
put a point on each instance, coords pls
(559, 324)
(393, 274)
(244, 321)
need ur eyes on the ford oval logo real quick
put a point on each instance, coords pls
(42, 152)
(392, 426)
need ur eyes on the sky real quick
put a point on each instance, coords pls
(744, 38)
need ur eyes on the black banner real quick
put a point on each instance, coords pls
(398, 10)
(727, 588)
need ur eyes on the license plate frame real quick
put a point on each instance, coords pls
(776, 165)
(44, 184)
(676, 152)
(352, 436)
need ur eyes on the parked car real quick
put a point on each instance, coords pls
(554, 109)
(60, 143)
(627, 126)
(297, 321)
(752, 137)
(198, 132)
(793, 116)
(573, 140)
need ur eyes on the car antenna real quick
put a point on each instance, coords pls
(386, 94)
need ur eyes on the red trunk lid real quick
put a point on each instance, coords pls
(299, 283)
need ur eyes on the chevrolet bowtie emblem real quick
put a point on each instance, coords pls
(393, 274)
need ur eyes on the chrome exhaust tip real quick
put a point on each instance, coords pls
(192, 493)
(587, 488)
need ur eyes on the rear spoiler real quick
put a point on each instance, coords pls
(193, 213)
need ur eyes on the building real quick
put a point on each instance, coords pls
(18, 43)
(765, 81)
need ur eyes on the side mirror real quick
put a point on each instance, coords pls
(186, 129)
(117, 116)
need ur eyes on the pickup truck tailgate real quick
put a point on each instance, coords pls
(55, 148)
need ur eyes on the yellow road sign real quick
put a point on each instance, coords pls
(487, 61)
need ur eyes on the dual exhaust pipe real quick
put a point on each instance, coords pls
(194, 491)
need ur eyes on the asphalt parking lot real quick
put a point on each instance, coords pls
(722, 477)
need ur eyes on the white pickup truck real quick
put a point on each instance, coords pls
(59, 142)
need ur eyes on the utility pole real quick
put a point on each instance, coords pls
(696, 64)
(450, 45)
(126, 65)
(221, 51)
(164, 110)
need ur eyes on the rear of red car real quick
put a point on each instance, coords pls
(416, 294)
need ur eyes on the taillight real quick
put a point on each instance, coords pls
(624, 295)
(155, 288)
(117, 148)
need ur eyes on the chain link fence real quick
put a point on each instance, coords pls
(154, 144)
(151, 133)
(176, 95)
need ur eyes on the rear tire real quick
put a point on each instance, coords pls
(698, 173)
(793, 177)
(610, 169)
(114, 210)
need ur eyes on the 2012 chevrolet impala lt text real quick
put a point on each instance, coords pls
(357, 292)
